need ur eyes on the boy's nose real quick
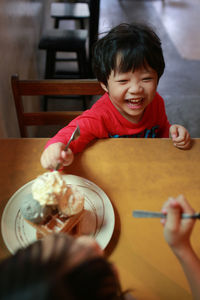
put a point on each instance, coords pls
(135, 88)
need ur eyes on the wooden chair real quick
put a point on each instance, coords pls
(49, 87)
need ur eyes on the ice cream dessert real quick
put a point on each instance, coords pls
(53, 205)
(33, 211)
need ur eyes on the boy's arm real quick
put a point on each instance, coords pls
(177, 233)
(91, 127)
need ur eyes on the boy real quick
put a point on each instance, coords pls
(128, 62)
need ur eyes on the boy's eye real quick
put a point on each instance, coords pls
(122, 80)
(147, 78)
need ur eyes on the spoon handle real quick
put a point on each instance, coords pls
(152, 214)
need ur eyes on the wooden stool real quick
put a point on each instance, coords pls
(70, 11)
(56, 40)
(59, 40)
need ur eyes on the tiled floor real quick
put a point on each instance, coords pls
(181, 21)
(177, 23)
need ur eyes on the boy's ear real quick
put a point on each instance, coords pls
(104, 87)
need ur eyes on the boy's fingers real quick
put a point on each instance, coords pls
(67, 157)
(182, 141)
(64, 154)
(180, 134)
(174, 131)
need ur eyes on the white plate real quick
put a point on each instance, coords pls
(98, 221)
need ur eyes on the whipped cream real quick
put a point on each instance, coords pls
(48, 188)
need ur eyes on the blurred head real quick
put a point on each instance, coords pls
(126, 48)
(59, 267)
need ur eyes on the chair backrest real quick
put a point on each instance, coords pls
(49, 87)
(94, 6)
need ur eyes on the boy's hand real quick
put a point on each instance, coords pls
(55, 154)
(180, 136)
(177, 231)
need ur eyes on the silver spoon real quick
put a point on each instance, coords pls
(152, 214)
(76, 133)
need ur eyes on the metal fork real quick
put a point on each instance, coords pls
(76, 133)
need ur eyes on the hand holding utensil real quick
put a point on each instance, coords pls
(152, 214)
(74, 136)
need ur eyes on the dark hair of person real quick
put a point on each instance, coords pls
(28, 276)
(91, 280)
(127, 47)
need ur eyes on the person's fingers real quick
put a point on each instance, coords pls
(186, 207)
(172, 207)
(173, 215)
(67, 157)
(180, 136)
(52, 156)
(183, 141)
(165, 209)
(174, 132)
(179, 200)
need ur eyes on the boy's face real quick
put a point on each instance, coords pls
(131, 92)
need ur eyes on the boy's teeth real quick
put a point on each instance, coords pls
(135, 101)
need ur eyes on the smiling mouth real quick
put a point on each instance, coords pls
(135, 104)
(135, 101)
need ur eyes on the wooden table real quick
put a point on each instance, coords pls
(135, 174)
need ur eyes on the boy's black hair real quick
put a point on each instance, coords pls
(137, 45)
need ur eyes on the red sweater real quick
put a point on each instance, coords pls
(103, 120)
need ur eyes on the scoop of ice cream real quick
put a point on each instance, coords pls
(49, 188)
(33, 211)
(72, 203)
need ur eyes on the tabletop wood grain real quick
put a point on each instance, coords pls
(135, 174)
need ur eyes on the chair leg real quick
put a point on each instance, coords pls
(85, 102)
(82, 63)
(82, 25)
(49, 72)
(45, 103)
(50, 64)
(56, 23)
